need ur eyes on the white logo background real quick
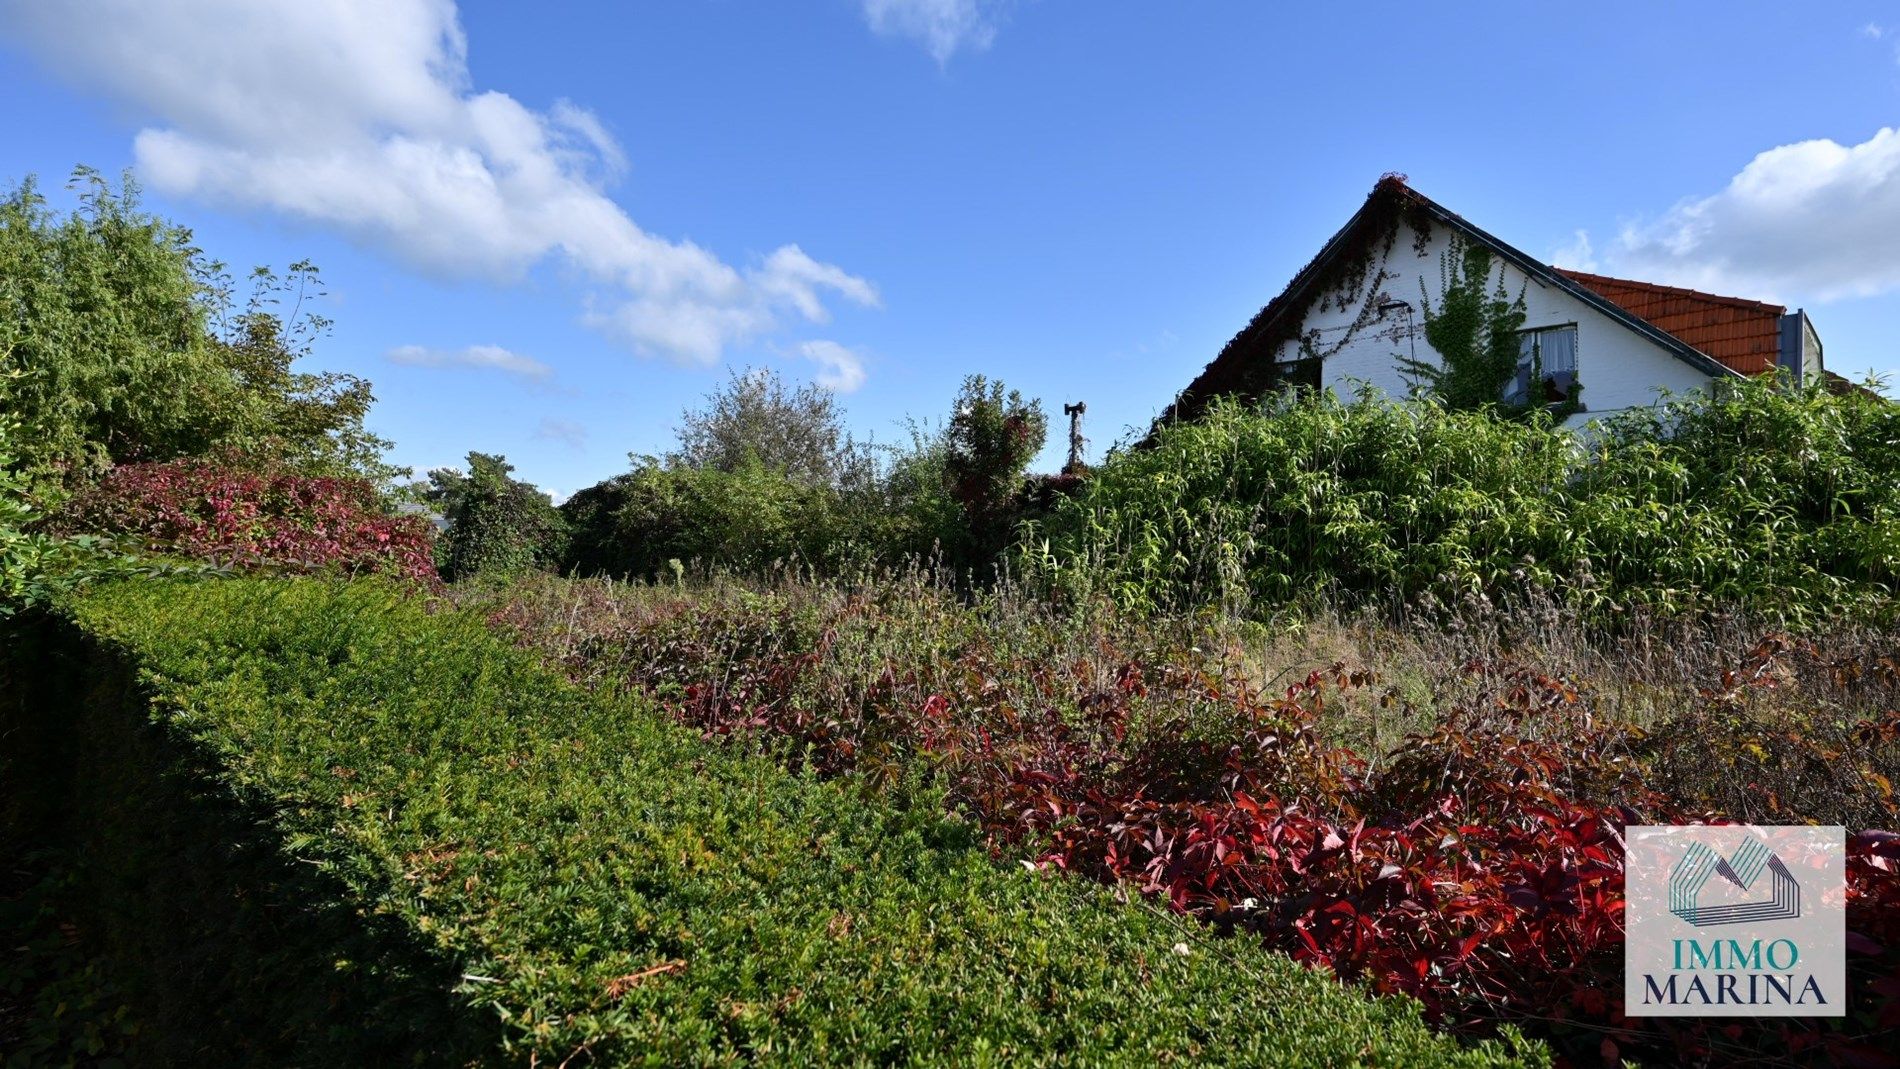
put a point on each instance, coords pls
(1749, 958)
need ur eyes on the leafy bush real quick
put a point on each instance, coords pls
(755, 419)
(642, 523)
(763, 474)
(25, 557)
(133, 347)
(1316, 499)
(36, 566)
(1760, 498)
(207, 510)
(992, 438)
(589, 879)
(594, 545)
(496, 524)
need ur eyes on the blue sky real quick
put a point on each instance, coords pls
(547, 228)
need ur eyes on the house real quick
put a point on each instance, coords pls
(1357, 312)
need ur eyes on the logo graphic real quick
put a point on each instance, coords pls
(1742, 868)
(1735, 921)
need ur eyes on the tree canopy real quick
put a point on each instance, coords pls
(123, 342)
(496, 523)
(756, 418)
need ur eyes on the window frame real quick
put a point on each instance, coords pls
(1576, 370)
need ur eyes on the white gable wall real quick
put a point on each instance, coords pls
(1618, 367)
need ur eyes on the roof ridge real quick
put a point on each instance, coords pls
(1394, 193)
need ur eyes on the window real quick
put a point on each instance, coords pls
(1554, 350)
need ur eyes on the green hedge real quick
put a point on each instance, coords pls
(1762, 497)
(424, 847)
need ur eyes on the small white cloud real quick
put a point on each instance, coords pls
(1576, 254)
(564, 431)
(474, 358)
(1873, 31)
(1814, 220)
(943, 27)
(570, 117)
(362, 116)
(840, 369)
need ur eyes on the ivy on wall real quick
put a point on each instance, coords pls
(1349, 274)
(1476, 328)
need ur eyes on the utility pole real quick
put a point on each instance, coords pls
(1076, 441)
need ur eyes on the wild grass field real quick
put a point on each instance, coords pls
(1431, 808)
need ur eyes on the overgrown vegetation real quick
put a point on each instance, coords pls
(593, 883)
(244, 518)
(497, 524)
(1765, 499)
(994, 435)
(1476, 330)
(37, 566)
(128, 345)
(1435, 811)
(26, 558)
(765, 475)
(757, 420)
(1372, 685)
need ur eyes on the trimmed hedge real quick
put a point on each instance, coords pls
(590, 882)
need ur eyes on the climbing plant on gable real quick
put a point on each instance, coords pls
(1476, 328)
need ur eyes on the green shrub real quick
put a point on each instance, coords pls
(597, 884)
(133, 346)
(1783, 499)
(993, 436)
(1315, 498)
(1778, 501)
(25, 557)
(36, 566)
(744, 519)
(497, 524)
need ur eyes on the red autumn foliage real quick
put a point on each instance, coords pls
(1478, 869)
(255, 519)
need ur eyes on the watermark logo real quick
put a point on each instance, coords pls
(1735, 921)
(1699, 864)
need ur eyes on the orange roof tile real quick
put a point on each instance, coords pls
(1743, 335)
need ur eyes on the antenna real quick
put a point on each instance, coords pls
(1076, 441)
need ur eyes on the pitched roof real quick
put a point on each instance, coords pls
(1237, 369)
(1744, 335)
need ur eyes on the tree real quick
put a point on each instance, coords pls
(1476, 330)
(754, 417)
(992, 438)
(310, 421)
(496, 523)
(129, 345)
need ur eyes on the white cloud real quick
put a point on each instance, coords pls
(361, 115)
(840, 369)
(567, 432)
(943, 27)
(1814, 220)
(1576, 254)
(1873, 31)
(474, 357)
